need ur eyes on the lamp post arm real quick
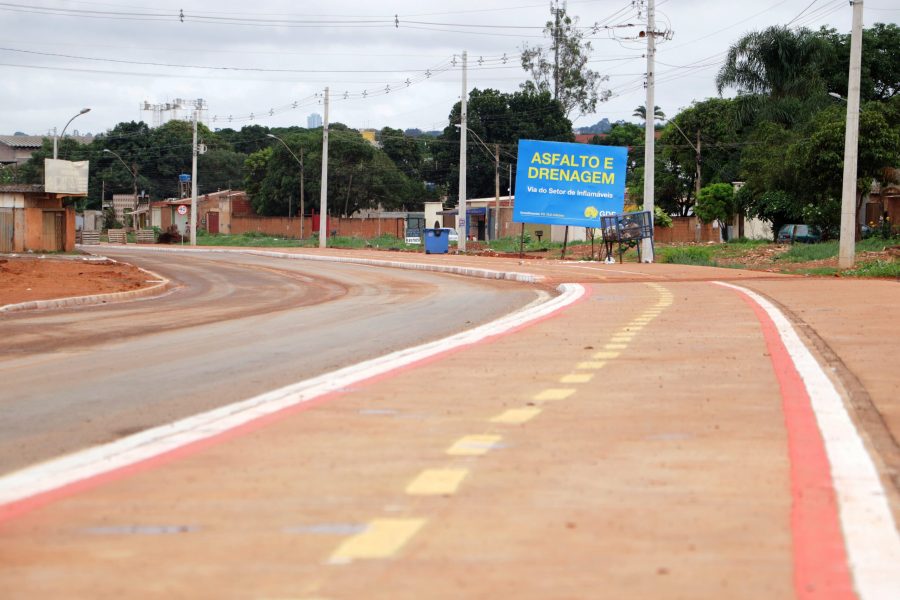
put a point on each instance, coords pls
(63, 134)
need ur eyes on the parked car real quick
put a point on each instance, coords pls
(805, 234)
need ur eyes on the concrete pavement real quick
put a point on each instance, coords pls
(632, 445)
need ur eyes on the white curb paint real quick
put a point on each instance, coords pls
(396, 264)
(136, 448)
(873, 543)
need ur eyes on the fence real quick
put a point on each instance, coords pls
(290, 228)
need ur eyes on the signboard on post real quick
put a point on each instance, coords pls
(66, 177)
(182, 209)
(569, 184)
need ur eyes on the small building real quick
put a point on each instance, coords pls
(33, 220)
(17, 149)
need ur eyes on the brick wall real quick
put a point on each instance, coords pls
(290, 228)
(684, 229)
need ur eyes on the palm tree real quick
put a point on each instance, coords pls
(776, 73)
(641, 112)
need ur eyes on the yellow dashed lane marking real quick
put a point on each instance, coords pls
(606, 355)
(473, 445)
(615, 346)
(576, 378)
(381, 539)
(436, 482)
(594, 364)
(554, 394)
(621, 339)
(516, 416)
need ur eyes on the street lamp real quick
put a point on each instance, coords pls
(133, 170)
(838, 96)
(56, 138)
(300, 161)
(496, 179)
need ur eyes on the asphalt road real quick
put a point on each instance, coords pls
(235, 327)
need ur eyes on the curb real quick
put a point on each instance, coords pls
(93, 299)
(456, 270)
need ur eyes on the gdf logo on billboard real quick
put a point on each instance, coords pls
(569, 184)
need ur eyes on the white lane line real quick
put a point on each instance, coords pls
(98, 460)
(873, 543)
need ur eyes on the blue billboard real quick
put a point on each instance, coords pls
(569, 184)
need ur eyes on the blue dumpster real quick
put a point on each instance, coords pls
(437, 241)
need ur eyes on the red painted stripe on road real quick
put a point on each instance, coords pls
(821, 571)
(21, 507)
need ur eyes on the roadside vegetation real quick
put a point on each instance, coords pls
(876, 257)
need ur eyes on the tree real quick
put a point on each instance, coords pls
(562, 68)
(641, 112)
(630, 136)
(819, 158)
(715, 203)
(360, 175)
(497, 118)
(707, 126)
(777, 74)
(880, 68)
(404, 150)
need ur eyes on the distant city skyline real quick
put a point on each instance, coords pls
(314, 120)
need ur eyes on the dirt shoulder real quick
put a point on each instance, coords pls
(23, 279)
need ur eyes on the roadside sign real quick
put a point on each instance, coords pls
(569, 184)
(182, 209)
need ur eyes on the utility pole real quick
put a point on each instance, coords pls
(697, 184)
(463, 128)
(649, 129)
(847, 247)
(323, 197)
(134, 221)
(497, 191)
(555, 11)
(193, 217)
(302, 203)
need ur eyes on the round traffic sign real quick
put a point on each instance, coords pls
(182, 209)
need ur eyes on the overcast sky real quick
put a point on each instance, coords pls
(261, 57)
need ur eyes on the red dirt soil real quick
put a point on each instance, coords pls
(31, 278)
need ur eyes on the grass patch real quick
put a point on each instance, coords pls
(825, 250)
(252, 238)
(383, 242)
(877, 268)
(687, 255)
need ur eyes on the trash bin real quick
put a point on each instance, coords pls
(437, 241)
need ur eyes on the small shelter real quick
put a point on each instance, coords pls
(34, 220)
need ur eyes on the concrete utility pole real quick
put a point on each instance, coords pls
(193, 217)
(555, 11)
(649, 129)
(463, 128)
(63, 134)
(323, 196)
(496, 192)
(847, 248)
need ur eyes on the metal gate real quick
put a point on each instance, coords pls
(7, 230)
(212, 222)
(54, 231)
